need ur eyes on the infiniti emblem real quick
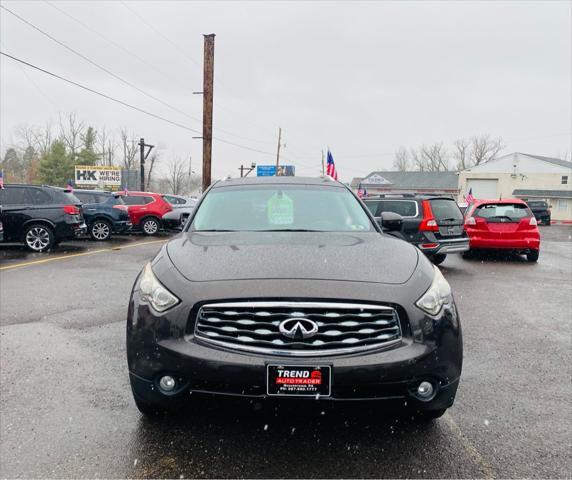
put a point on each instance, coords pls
(298, 328)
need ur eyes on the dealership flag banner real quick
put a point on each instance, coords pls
(361, 191)
(331, 166)
(1, 178)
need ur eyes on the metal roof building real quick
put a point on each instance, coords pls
(410, 182)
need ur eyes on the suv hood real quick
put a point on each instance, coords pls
(358, 257)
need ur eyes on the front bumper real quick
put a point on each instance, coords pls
(155, 348)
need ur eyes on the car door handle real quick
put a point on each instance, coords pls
(91, 209)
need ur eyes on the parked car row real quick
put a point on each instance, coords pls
(41, 216)
(437, 226)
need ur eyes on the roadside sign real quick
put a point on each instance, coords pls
(96, 176)
(270, 170)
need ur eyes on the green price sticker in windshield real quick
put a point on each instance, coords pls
(280, 209)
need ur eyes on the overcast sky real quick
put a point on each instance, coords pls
(363, 78)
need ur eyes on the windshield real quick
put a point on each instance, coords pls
(494, 211)
(538, 205)
(405, 208)
(444, 209)
(281, 208)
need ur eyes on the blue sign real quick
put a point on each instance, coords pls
(265, 170)
(270, 170)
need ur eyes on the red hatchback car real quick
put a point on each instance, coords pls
(146, 210)
(503, 225)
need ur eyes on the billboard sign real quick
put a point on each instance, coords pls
(270, 170)
(96, 176)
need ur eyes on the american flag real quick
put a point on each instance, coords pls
(469, 197)
(1, 178)
(331, 166)
(70, 185)
(361, 191)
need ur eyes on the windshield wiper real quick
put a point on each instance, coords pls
(214, 230)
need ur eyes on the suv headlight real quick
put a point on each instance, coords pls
(154, 293)
(439, 294)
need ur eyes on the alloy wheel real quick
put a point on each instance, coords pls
(100, 231)
(38, 238)
(150, 227)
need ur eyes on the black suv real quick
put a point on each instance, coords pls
(434, 224)
(540, 210)
(269, 292)
(105, 213)
(40, 216)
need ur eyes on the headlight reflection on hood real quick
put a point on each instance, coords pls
(154, 293)
(439, 294)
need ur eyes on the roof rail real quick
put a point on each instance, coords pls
(391, 195)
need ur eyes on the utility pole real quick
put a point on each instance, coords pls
(208, 77)
(278, 151)
(241, 171)
(323, 169)
(142, 157)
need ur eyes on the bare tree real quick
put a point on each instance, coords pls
(462, 153)
(44, 138)
(106, 147)
(484, 148)
(71, 131)
(177, 175)
(402, 162)
(27, 136)
(417, 160)
(434, 157)
(129, 148)
(151, 163)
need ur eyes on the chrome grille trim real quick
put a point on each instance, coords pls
(253, 327)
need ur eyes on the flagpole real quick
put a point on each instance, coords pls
(323, 169)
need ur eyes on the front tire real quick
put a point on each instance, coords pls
(39, 238)
(439, 258)
(532, 256)
(100, 230)
(150, 226)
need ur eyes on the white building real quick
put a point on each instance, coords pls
(525, 176)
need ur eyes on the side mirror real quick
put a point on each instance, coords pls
(391, 222)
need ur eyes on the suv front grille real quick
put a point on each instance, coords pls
(255, 327)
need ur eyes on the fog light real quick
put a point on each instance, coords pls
(167, 383)
(424, 390)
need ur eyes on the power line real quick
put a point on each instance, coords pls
(112, 42)
(145, 62)
(133, 107)
(180, 125)
(113, 74)
(187, 56)
(167, 39)
(109, 72)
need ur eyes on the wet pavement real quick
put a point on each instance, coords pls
(66, 408)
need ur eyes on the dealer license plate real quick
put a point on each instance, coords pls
(298, 380)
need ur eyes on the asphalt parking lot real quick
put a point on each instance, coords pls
(66, 407)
